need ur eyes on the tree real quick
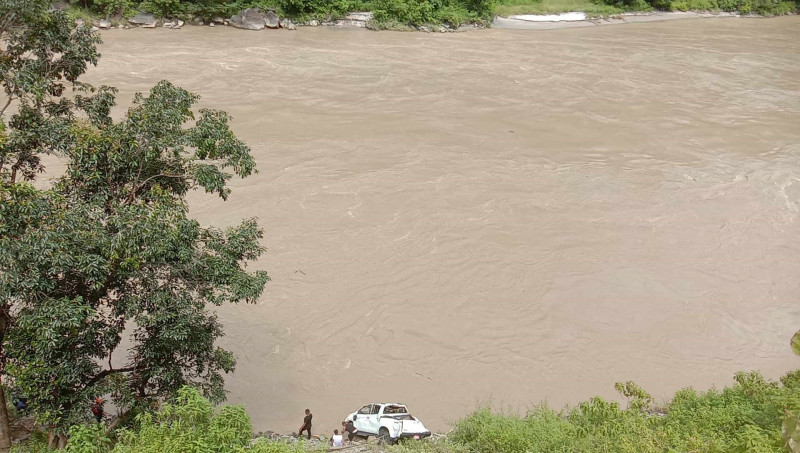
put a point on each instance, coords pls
(40, 56)
(111, 247)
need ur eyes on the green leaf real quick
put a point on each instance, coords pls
(796, 343)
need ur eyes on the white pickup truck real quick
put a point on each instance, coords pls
(389, 421)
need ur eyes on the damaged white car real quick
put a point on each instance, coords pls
(388, 421)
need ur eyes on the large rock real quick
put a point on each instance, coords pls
(355, 19)
(217, 20)
(288, 24)
(104, 24)
(145, 20)
(271, 20)
(250, 19)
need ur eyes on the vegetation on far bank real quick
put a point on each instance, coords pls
(400, 14)
(604, 8)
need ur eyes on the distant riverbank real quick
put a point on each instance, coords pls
(407, 15)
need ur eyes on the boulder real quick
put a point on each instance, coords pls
(271, 20)
(145, 20)
(217, 20)
(212, 24)
(79, 22)
(288, 24)
(355, 19)
(250, 19)
(104, 24)
(313, 23)
(94, 29)
(179, 23)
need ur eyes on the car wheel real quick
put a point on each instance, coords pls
(383, 437)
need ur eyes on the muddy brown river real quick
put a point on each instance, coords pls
(500, 217)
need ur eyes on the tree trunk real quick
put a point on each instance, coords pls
(5, 425)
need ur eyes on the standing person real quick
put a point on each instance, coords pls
(306, 424)
(337, 440)
(97, 409)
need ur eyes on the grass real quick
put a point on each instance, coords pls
(514, 7)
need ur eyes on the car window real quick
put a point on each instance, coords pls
(364, 410)
(395, 410)
(376, 408)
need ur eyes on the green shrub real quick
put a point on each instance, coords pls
(746, 417)
(419, 12)
(165, 8)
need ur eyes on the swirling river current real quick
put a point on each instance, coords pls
(499, 217)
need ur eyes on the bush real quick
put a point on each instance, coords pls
(763, 7)
(189, 425)
(744, 418)
(419, 12)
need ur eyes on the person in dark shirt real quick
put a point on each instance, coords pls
(350, 429)
(97, 409)
(306, 424)
(21, 404)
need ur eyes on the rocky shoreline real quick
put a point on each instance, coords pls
(369, 444)
(256, 19)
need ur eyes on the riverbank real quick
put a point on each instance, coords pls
(753, 415)
(388, 15)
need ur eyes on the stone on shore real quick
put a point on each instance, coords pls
(145, 20)
(104, 24)
(218, 20)
(288, 24)
(250, 19)
(355, 19)
(271, 20)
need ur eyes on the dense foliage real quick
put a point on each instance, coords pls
(108, 253)
(764, 7)
(111, 247)
(189, 424)
(41, 56)
(604, 8)
(747, 417)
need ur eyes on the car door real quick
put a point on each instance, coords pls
(362, 420)
(373, 421)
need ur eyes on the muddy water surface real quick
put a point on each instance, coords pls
(500, 216)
